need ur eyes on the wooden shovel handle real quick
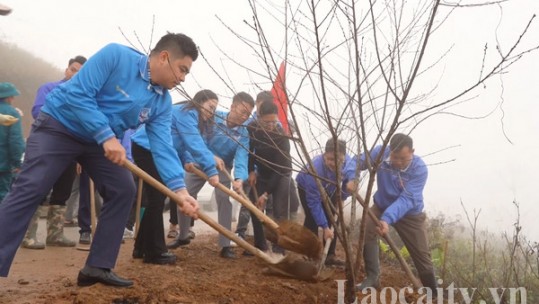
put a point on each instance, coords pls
(225, 172)
(391, 244)
(93, 212)
(205, 218)
(248, 204)
(138, 206)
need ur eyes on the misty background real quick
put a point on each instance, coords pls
(483, 153)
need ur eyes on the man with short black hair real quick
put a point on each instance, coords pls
(119, 88)
(244, 214)
(401, 178)
(324, 168)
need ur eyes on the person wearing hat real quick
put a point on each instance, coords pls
(119, 88)
(324, 168)
(11, 138)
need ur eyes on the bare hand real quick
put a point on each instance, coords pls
(237, 185)
(252, 179)
(214, 180)
(189, 204)
(328, 234)
(261, 202)
(351, 186)
(114, 151)
(189, 167)
(383, 228)
(219, 163)
(79, 169)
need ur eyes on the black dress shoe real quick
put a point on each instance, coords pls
(177, 243)
(161, 259)
(91, 275)
(227, 253)
(137, 254)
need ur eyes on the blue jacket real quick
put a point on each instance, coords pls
(42, 93)
(328, 179)
(11, 140)
(400, 192)
(230, 144)
(112, 93)
(126, 143)
(187, 140)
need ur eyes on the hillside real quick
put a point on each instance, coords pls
(27, 72)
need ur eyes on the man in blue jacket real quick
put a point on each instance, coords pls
(229, 141)
(117, 89)
(245, 215)
(11, 139)
(401, 178)
(324, 169)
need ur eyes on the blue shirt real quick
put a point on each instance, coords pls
(42, 93)
(230, 144)
(186, 138)
(400, 192)
(126, 143)
(112, 93)
(328, 178)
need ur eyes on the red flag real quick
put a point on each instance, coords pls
(279, 97)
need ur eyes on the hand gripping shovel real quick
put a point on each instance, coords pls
(288, 235)
(391, 244)
(292, 267)
(326, 247)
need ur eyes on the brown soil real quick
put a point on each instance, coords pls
(200, 276)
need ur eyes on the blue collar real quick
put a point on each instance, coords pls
(145, 74)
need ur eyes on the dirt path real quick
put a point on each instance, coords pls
(200, 276)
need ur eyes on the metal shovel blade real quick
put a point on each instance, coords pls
(295, 268)
(289, 235)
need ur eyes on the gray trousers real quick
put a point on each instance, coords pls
(72, 202)
(413, 231)
(224, 207)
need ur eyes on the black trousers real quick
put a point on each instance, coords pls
(309, 222)
(151, 235)
(61, 190)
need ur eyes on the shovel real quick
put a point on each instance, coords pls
(326, 247)
(93, 213)
(292, 267)
(138, 206)
(325, 253)
(391, 244)
(288, 235)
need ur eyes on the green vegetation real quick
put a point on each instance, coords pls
(480, 261)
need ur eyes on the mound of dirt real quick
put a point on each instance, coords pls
(200, 276)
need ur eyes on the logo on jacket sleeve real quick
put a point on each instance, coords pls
(144, 115)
